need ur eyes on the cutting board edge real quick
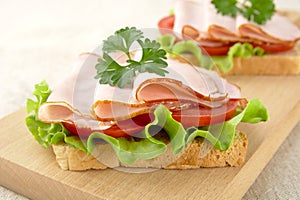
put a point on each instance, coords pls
(262, 154)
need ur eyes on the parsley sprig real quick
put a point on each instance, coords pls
(259, 11)
(111, 72)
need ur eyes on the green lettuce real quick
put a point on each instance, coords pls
(222, 135)
(146, 146)
(245, 50)
(128, 151)
(47, 133)
(224, 63)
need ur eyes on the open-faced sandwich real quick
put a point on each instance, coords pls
(136, 108)
(242, 37)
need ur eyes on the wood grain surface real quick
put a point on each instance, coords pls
(31, 170)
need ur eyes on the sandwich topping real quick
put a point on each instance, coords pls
(183, 88)
(184, 101)
(205, 23)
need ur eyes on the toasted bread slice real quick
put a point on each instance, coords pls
(274, 64)
(198, 154)
(287, 63)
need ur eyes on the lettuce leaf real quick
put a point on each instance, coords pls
(45, 133)
(41, 93)
(128, 151)
(147, 146)
(224, 63)
(245, 50)
(222, 135)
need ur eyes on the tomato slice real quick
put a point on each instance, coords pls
(217, 51)
(275, 48)
(206, 116)
(166, 24)
(189, 117)
(123, 128)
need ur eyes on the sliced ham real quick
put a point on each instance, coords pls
(201, 22)
(203, 39)
(80, 96)
(185, 76)
(220, 27)
(189, 13)
(277, 30)
(223, 34)
(115, 111)
(183, 83)
(71, 100)
(204, 18)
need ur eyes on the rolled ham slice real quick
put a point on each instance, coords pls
(80, 96)
(204, 18)
(189, 13)
(183, 84)
(225, 34)
(201, 22)
(203, 39)
(222, 28)
(277, 30)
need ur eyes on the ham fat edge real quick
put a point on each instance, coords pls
(201, 22)
(81, 100)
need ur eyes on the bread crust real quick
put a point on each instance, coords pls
(278, 64)
(198, 154)
(287, 63)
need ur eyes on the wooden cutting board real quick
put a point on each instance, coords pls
(31, 170)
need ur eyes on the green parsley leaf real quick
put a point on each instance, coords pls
(111, 72)
(226, 7)
(259, 11)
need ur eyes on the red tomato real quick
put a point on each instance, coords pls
(189, 117)
(166, 25)
(206, 116)
(123, 128)
(275, 48)
(217, 51)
